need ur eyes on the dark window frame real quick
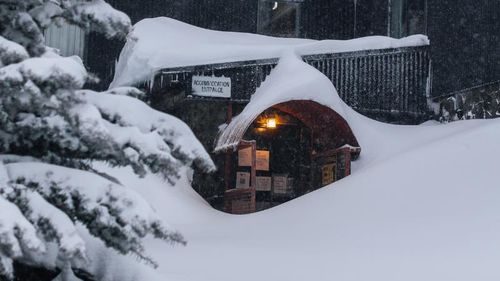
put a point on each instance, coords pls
(400, 15)
(264, 23)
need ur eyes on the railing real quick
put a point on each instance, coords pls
(378, 83)
(479, 102)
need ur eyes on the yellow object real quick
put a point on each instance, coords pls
(271, 123)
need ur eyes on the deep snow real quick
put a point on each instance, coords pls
(423, 203)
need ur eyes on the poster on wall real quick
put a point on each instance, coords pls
(263, 184)
(262, 160)
(280, 184)
(328, 174)
(245, 157)
(242, 180)
(211, 86)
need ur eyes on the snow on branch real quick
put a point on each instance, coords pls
(114, 213)
(55, 225)
(154, 130)
(58, 72)
(99, 16)
(24, 21)
(45, 14)
(11, 52)
(45, 117)
(17, 234)
(43, 108)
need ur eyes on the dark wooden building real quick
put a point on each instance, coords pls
(395, 85)
(464, 34)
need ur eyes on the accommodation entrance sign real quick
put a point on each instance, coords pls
(211, 86)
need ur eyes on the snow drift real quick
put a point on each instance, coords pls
(422, 203)
(163, 42)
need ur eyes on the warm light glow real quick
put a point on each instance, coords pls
(271, 123)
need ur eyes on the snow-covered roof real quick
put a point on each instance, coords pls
(163, 43)
(292, 79)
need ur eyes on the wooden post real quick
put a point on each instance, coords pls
(253, 176)
(253, 170)
(229, 153)
(347, 157)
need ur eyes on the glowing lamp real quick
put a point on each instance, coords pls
(271, 123)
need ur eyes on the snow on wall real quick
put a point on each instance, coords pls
(163, 42)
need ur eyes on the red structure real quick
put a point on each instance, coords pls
(286, 151)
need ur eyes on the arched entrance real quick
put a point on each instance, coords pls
(283, 152)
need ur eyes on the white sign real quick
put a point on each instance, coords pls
(245, 157)
(263, 184)
(242, 180)
(211, 86)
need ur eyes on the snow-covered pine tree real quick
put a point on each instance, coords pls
(51, 130)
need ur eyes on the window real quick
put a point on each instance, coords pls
(407, 17)
(279, 18)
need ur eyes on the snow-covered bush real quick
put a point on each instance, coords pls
(55, 130)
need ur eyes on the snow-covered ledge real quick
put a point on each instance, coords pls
(166, 43)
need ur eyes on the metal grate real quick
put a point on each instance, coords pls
(387, 81)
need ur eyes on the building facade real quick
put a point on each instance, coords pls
(464, 34)
(463, 53)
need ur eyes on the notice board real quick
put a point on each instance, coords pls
(245, 157)
(262, 160)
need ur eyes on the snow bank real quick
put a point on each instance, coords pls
(422, 203)
(424, 206)
(164, 42)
